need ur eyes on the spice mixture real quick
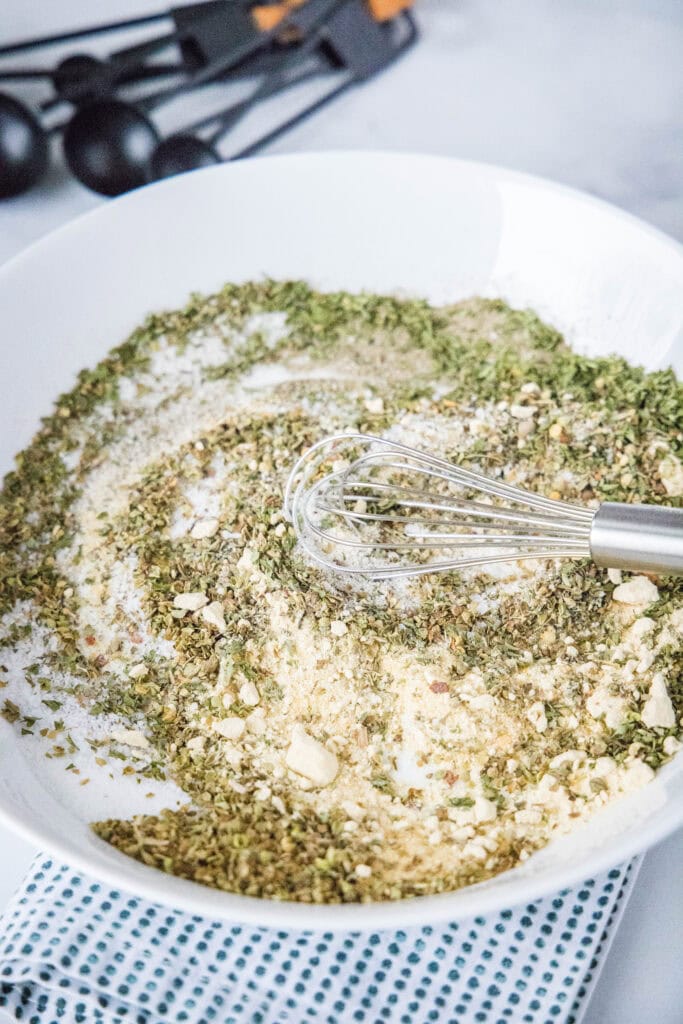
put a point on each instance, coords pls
(336, 741)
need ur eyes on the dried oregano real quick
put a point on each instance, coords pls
(186, 677)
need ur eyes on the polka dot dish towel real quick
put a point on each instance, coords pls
(76, 952)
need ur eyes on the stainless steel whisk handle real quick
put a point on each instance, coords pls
(644, 537)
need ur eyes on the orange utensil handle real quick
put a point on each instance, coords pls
(383, 10)
(268, 18)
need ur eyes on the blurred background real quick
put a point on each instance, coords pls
(589, 93)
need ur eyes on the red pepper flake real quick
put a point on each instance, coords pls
(450, 778)
(90, 640)
(439, 687)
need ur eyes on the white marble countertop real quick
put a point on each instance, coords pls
(588, 93)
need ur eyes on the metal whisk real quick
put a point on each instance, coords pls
(367, 506)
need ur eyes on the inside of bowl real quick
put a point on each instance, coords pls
(429, 227)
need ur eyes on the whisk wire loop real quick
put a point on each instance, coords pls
(393, 500)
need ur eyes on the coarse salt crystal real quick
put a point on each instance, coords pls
(484, 810)
(671, 475)
(204, 528)
(255, 722)
(248, 694)
(130, 738)
(374, 405)
(191, 601)
(537, 717)
(338, 628)
(213, 615)
(641, 626)
(307, 757)
(230, 728)
(639, 590)
(658, 711)
(522, 412)
(247, 561)
(604, 704)
(637, 774)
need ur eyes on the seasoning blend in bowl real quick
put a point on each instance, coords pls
(335, 741)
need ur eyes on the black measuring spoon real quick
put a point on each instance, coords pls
(108, 144)
(25, 141)
(24, 147)
(84, 79)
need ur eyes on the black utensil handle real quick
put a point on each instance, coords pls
(213, 70)
(146, 71)
(278, 81)
(81, 33)
(230, 117)
(130, 76)
(411, 35)
(292, 122)
(307, 18)
(132, 54)
(19, 74)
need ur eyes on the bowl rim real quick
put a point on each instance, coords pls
(355, 156)
(458, 904)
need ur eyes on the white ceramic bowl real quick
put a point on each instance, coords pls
(428, 226)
